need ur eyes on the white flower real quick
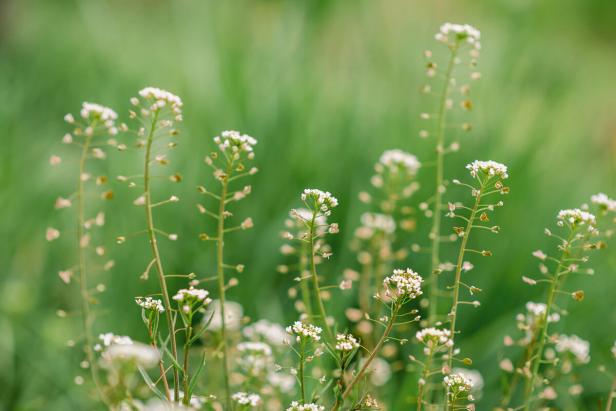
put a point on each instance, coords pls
(272, 333)
(236, 142)
(380, 222)
(576, 216)
(576, 346)
(243, 398)
(450, 32)
(473, 376)
(192, 295)
(93, 111)
(489, 168)
(302, 330)
(604, 202)
(150, 303)
(139, 354)
(397, 161)
(233, 316)
(403, 284)
(296, 406)
(109, 339)
(255, 348)
(319, 200)
(457, 383)
(158, 99)
(433, 337)
(346, 342)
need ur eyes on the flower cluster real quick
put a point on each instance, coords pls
(398, 162)
(192, 295)
(160, 98)
(458, 383)
(346, 342)
(302, 330)
(489, 168)
(257, 348)
(378, 222)
(243, 398)
(319, 200)
(139, 354)
(94, 113)
(403, 284)
(573, 344)
(577, 217)
(434, 337)
(150, 304)
(296, 406)
(604, 202)
(236, 142)
(255, 357)
(272, 333)
(459, 32)
(109, 339)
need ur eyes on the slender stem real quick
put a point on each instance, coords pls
(456, 285)
(304, 285)
(424, 375)
(377, 348)
(220, 242)
(161, 363)
(536, 359)
(86, 314)
(151, 231)
(315, 279)
(302, 359)
(438, 195)
(610, 399)
(185, 365)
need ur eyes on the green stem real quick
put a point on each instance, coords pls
(315, 279)
(424, 376)
(86, 314)
(221, 281)
(456, 285)
(610, 399)
(302, 359)
(304, 285)
(186, 356)
(151, 231)
(161, 363)
(435, 232)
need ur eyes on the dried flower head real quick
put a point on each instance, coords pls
(488, 168)
(346, 342)
(403, 284)
(320, 201)
(303, 330)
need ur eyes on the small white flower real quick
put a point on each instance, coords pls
(604, 202)
(577, 217)
(235, 142)
(434, 337)
(322, 201)
(450, 32)
(149, 303)
(346, 342)
(576, 346)
(403, 284)
(457, 383)
(303, 330)
(243, 398)
(272, 333)
(192, 295)
(296, 406)
(398, 162)
(158, 98)
(489, 168)
(139, 354)
(473, 376)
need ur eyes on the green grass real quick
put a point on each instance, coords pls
(325, 87)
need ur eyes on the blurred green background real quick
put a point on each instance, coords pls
(325, 86)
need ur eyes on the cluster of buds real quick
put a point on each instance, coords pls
(319, 201)
(434, 338)
(458, 386)
(346, 343)
(150, 304)
(246, 400)
(302, 330)
(403, 285)
(192, 297)
(156, 100)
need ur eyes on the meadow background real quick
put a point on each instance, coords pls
(325, 86)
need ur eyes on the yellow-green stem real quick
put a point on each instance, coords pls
(220, 242)
(456, 285)
(304, 285)
(83, 276)
(435, 232)
(185, 365)
(151, 231)
(315, 279)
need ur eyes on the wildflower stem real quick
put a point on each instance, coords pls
(536, 359)
(438, 195)
(187, 394)
(83, 276)
(302, 360)
(373, 353)
(612, 394)
(304, 285)
(315, 278)
(458, 275)
(156, 254)
(424, 376)
(220, 272)
(161, 364)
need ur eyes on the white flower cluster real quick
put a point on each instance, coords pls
(109, 339)
(434, 337)
(96, 112)
(604, 202)
(192, 295)
(296, 406)
(302, 330)
(243, 398)
(136, 353)
(346, 342)
(255, 347)
(473, 376)
(263, 329)
(457, 383)
(537, 311)
(378, 222)
(319, 200)
(460, 32)
(161, 98)
(576, 346)
(398, 162)
(403, 283)
(578, 217)
(490, 168)
(236, 142)
(149, 303)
